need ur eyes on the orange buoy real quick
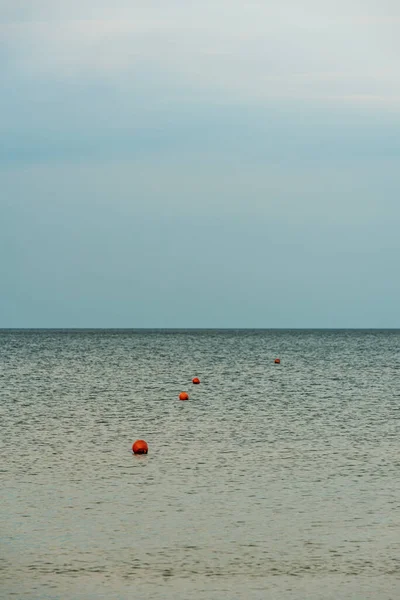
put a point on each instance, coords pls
(277, 361)
(140, 447)
(195, 380)
(183, 396)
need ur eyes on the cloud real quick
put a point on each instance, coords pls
(250, 52)
(221, 11)
(179, 77)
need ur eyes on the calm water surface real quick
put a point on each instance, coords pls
(273, 481)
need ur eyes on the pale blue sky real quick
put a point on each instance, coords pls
(199, 164)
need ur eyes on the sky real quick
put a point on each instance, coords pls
(181, 163)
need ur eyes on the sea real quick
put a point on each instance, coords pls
(273, 481)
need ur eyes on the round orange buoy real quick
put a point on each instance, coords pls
(196, 380)
(140, 447)
(183, 396)
(277, 361)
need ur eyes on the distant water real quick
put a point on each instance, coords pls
(272, 481)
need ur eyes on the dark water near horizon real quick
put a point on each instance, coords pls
(272, 481)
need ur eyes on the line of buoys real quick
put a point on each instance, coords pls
(140, 447)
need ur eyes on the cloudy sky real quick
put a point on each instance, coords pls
(181, 163)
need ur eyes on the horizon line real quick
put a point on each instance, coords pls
(143, 329)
